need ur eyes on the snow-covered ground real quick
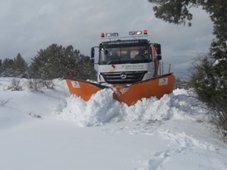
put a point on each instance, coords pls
(50, 130)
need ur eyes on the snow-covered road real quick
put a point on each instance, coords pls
(51, 130)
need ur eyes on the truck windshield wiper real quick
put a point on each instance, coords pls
(113, 62)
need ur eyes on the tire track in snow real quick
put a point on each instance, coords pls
(135, 128)
(178, 144)
(185, 141)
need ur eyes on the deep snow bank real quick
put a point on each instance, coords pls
(102, 108)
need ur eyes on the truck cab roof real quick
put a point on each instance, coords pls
(124, 43)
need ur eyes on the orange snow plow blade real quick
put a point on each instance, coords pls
(156, 87)
(83, 89)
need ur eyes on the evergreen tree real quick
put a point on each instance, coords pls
(0, 67)
(59, 62)
(20, 66)
(46, 64)
(16, 67)
(86, 69)
(210, 76)
(7, 68)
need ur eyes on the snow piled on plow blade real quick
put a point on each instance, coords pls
(102, 109)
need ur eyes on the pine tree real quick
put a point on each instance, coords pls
(7, 68)
(61, 62)
(0, 67)
(20, 66)
(210, 76)
(46, 64)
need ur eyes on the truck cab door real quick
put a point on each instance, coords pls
(93, 54)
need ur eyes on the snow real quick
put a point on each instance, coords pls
(218, 61)
(50, 129)
(102, 109)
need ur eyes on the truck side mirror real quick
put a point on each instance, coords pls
(92, 55)
(158, 50)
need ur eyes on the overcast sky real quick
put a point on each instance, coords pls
(30, 25)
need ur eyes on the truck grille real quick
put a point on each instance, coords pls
(123, 77)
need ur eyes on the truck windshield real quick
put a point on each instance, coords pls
(119, 55)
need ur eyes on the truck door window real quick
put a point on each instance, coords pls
(102, 58)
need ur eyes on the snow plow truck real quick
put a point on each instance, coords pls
(130, 66)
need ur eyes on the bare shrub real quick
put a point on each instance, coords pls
(39, 84)
(15, 85)
(48, 84)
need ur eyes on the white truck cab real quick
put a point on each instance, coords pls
(126, 61)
